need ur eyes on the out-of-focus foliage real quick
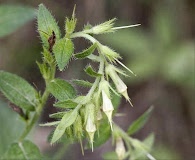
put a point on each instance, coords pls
(23, 150)
(13, 17)
(165, 152)
(9, 132)
(157, 52)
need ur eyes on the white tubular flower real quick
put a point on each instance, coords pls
(107, 107)
(90, 123)
(120, 85)
(90, 126)
(120, 148)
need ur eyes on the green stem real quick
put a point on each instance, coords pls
(123, 134)
(39, 107)
(35, 116)
(84, 35)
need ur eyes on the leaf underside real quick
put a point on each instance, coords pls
(18, 90)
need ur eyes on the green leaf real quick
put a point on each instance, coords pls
(82, 83)
(50, 123)
(141, 150)
(66, 104)
(46, 25)
(63, 50)
(86, 52)
(61, 89)
(104, 134)
(90, 71)
(13, 17)
(57, 115)
(25, 150)
(140, 122)
(67, 120)
(9, 132)
(149, 141)
(18, 90)
(110, 155)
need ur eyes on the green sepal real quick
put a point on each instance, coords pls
(70, 24)
(140, 122)
(67, 120)
(63, 50)
(46, 25)
(86, 52)
(25, 150)
(82, 83)
(61, 89)
(91, 72)
(69, 103)
(18, 91)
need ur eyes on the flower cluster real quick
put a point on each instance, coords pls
(83, 115)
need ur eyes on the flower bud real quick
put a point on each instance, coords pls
(120, 85)
(102, 28)
(107, 107)
(104, 85)
(120, 148)
(90, 122)
(109, 53)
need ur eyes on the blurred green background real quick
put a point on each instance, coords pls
(161, 52)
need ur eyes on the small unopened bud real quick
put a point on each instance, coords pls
(107, 107)
(90, 122)
(109, 53)
(120, 148)
(90, 128)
